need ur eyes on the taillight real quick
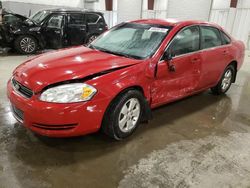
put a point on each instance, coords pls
(106, 28)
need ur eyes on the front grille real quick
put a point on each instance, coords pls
(24, 91)
(54, 127)
(17, 113)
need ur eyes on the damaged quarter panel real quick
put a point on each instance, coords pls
(111, 84)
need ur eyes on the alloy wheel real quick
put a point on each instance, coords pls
(27, 44)
(129, 115)
(226, 81)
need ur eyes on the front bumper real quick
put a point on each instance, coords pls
(57, 120)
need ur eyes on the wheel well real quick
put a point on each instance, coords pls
(234, 63)
(19, 35)
(147, 114)
(139, 88)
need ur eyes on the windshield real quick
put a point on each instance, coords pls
(132, 40)
(39, 16)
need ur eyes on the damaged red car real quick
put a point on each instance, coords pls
(115, 82)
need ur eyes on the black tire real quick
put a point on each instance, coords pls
(110, 124)
(26, 44)
(91, 38)
(219, 89)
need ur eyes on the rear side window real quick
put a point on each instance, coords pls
(225, 38)
(186, 41)
(210, 37)
(92, 18)
(76, 19)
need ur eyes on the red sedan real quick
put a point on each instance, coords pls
(115, 82)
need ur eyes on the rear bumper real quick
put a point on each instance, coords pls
(57, 120)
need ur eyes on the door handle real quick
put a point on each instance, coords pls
(225, 52)
(194, 60)
(58, 32)
(82, 28)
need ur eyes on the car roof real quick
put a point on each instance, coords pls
(71, 10)
(174, 22)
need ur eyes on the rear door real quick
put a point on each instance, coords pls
(215, 56)
(186, 59)
(95, 24)
(76, 29)
(53, 31)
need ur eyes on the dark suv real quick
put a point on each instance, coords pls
(55, 28)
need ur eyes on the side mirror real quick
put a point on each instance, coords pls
(167, 56)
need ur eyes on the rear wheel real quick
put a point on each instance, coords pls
(225, 82)
(26, 44)
(123, 115)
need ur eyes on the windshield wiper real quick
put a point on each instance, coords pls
(126, 55)
(91, 46)
(114, 53)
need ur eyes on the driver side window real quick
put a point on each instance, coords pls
(55, 21)
(186, 41)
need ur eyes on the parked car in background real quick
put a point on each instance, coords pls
(113, 84)
(55, 28)
(8, 19)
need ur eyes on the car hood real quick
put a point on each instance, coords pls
(23, 20)
(17, 15)
(69, 64)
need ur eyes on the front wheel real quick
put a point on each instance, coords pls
(225, 81)
(26, 44)
(123, 115)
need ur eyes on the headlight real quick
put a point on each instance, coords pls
(68, 93)
(14, 30)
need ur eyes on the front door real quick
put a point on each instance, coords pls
(53, 31)
(179, 76)
(76, 29)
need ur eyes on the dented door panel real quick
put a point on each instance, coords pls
(169, 86)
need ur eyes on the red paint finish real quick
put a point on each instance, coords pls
(194, 72)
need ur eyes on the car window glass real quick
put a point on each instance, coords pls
(186, 41)
(101, 21)
(55, 21)
(210, 37)
(8, 18)
(40, 16)
(92, 18)
(123, 35)
(76, 19)
(146, 35)
(135, 40)
(225, 38)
